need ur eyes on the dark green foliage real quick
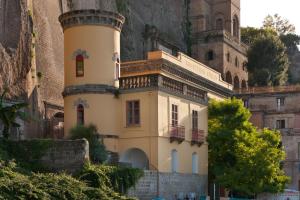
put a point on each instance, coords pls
(291, 41)
(27, 153)
(18, 183)
(98, 153)
(120, 179)
(250, 34)
(243, 159)
(268, 62)
(9, 114)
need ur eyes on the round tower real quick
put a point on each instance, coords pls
(92, 67)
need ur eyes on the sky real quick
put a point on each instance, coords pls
(253, 12)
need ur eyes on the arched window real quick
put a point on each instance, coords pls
(79, 66)
(237, 62)
(195, 167)
(244, 65)
(174, 161)
(236, 82)
(236, 26)
(228, 57)
(80, 115)
(219, 24)
(228, 77)
(210, 55)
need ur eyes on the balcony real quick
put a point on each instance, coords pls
(198, 137)
(177, 133)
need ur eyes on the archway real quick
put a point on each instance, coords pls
(236, 82)
(244, 84)
(236, 26)
(228, 78)
(136, 158)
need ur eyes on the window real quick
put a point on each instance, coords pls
(236, 62)
(195, 163)
(210, 55)
(195, 120)
(280, 102)
(219, 24)
(228, 57)
(133, 113)
(174, 160)
(280, 124)
(79, 66)
(244, 65)
(236, 26)
(80, 115)
(117, 72)
(174, 115)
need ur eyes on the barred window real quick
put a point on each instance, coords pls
(133, 113)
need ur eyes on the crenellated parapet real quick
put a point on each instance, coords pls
(92, 17)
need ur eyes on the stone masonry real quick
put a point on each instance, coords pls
(170, 185)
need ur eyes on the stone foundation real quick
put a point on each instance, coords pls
(170, 184)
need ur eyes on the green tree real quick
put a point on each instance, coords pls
(10, 113)
(268, 62)
(97, 149)
(291, 41)
(250, 34)
(280, 25)
(243, 159)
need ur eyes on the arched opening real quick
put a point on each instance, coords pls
(79, 66)
(174, 161)
(135, 158)
(236, 62)
(210, 55)
(80, 115)
(228, 57)
(219, 24)
(236, 26)
(195, 167)
(244, 84)
(245, 66)
(228, 77)
(236, 82)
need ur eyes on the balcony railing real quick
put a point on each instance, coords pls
(198, 137)
(177, 133)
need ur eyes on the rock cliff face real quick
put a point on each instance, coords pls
(15, 46)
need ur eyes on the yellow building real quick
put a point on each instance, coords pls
(151, 113)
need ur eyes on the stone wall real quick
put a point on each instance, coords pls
(66, 155)
(170, 184)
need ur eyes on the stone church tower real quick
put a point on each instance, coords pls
(216, 38)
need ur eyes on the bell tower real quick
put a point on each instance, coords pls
(216, 39)
(92, 67)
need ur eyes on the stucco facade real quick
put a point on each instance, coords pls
(279, 108)
(151, 114)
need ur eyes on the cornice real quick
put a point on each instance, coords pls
(92, 17)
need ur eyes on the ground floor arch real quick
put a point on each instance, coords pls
(135, 158)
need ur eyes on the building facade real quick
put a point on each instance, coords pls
(151, 114)
(279, 108)
(216, 39)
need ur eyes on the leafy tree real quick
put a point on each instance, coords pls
(243, 159)
(98, 152)
(280, 25)
(268, 62)
(291, 41)
(9, 114)
(250, 34)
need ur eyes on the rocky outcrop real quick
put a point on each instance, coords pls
(15, 46)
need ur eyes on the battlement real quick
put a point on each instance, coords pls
(92, 17)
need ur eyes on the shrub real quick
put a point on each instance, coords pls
(98, 152)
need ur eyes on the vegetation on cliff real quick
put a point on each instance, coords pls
(243, 159)
(270, 52)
